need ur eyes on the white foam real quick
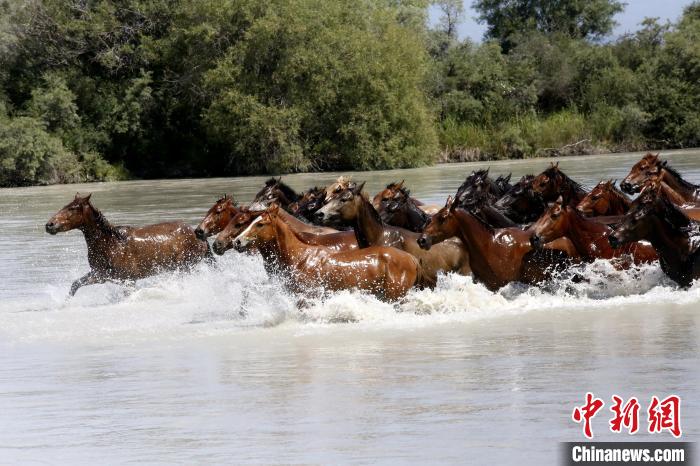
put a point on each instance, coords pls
(236, 295)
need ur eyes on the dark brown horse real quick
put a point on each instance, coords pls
(385, 272)
(337, 240)
(652, 167)
(274, 191)
(393, 190)
(588, 236)
(309, 203)
(122, 253)
(552, 183)
(479, 185)
(676, 238)
(521, 203)
(353, 207)
(604, 200)
(497, 256)
(220, 214)
(402, 211)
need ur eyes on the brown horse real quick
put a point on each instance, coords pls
(308, 203)
(352, 207)
(589, 236)
(392, 191)
(552, 183)
(385, 272)
(521, 203)
(652, 167)
(604, 200)
(121, 253)
(497, 256)
(274, 191)
(220, 214)
(337, 240)
(402, 211)
(676, 238)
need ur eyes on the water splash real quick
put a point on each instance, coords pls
(236, 294)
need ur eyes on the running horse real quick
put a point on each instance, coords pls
(218, 216)
(652, 167)
(604, 200)
(352, 207)
(309, 203)
(335, 240)
(676, 238)
(388, 273)
(124, 253)
(552, 183)
(403, 211)
(589, 236)
(392, 192)
(274, 191)
(521, 203)
(497, 256)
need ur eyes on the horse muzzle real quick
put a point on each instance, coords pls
(536, 241)
(614, 241)
(219, 247)
(51, 228)
(424, 242)
(628, 187)
(200, 233)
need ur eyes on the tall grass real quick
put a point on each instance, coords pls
(567, 132)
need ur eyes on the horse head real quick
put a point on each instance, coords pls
(76, 214)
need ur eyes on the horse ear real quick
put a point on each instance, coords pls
(486, 173)
(560, 200)
(358, 189)
(400, 185)
(449, 204)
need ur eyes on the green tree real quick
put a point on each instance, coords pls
(580, 19)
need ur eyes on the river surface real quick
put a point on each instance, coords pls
(220, 367)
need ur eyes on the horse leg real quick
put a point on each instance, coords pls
(90, 278)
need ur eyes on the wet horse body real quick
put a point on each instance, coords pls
(353, 207)
(676, 238)
(589, 236)
(386, 272)
(123, 253)
(497, 256)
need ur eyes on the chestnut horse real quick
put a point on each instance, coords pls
(337, 240)
(676, 238)
(352, 207)
(497, 256)
(552, 183)
(589, 236)
(123, 253)
(604, 200)
(652, 167)
(218, 216)
(385, 272)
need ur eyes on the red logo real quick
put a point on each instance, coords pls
(663, 415)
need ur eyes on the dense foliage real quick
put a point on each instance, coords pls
(94, 90)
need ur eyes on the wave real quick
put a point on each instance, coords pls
(236, 294)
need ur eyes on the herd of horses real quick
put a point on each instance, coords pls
(337, 238)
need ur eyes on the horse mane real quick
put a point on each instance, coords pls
(569, 182)
(482, 221)
(104, 224)
(686, 184)
(288, 192)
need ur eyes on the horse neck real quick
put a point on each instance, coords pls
(289, 245)
(368, 225)
(684, 188)
(584, 232)
(415, 215)
(98, 231)
(619, 204)
(674, 195)
(496, 218)
(574, 193)
(474, 234)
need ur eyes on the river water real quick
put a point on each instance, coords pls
(219, 366)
